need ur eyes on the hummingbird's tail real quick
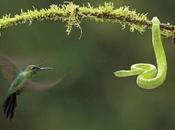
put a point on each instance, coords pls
(9, 106)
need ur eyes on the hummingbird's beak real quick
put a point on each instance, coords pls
(45, 68)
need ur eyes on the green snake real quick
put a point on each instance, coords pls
(149, 76)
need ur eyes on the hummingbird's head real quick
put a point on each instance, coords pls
(35, 68)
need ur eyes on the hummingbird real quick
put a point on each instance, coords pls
(20, 81)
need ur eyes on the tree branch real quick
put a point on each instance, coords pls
(73, 14)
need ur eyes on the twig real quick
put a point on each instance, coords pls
(73, 14)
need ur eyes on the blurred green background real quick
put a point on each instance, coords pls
(90, 97)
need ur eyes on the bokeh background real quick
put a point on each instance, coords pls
(90, 97)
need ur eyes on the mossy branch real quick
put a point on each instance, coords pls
(73, 14)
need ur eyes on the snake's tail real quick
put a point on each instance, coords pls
(126, 73)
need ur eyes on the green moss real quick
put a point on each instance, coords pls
(73, 14)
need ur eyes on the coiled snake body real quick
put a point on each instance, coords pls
(149, 76)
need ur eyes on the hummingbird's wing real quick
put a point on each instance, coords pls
(41, 86)
(8, 68)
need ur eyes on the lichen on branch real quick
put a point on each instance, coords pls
(73, 14)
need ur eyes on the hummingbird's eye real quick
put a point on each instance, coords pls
(33, 68)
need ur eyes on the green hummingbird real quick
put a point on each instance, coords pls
(19, 81)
